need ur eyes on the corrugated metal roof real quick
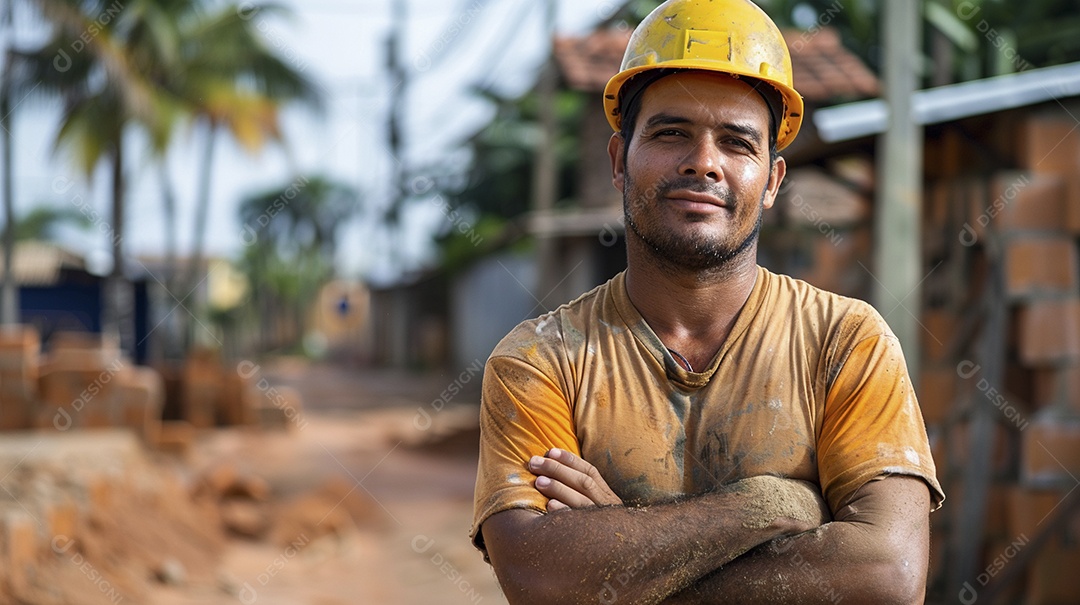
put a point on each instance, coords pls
(953, 102)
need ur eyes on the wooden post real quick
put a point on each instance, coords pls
(898, 210)
(545, 175)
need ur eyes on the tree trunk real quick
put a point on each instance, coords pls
(9, 295)
(171, 345)
(119, 316)
(202, 210)
(168, 207)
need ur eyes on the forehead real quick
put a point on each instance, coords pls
(704, 96)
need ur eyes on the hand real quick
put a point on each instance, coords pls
(570, 482)
(791, 505)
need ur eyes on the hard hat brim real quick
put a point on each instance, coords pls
(791, 112)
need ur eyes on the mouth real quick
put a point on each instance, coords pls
(698, 201)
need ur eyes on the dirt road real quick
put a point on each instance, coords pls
(414, 464)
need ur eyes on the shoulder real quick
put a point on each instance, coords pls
(559, 331)
(833, 315)
(833, 324)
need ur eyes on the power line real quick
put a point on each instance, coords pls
(497, 51)
(458, 29)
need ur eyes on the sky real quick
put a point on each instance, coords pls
(450, 46)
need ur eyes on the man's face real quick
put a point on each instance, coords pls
(697, 173)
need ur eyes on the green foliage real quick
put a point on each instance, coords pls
(1010, 36)
(989, 37)
(228, 75)
(290, 234)
(42, 223)
(633, 12)
(498, 185)
(107, 62)
(499, 182)
(152, 65)
(461, 246)
(300, 217)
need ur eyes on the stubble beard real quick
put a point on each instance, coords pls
(690, 253)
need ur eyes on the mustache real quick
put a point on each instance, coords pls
(690, 183)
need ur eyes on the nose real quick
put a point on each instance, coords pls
(703, 160)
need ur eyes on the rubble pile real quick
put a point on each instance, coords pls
(87, 517)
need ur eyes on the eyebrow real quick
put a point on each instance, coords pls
(667, 119)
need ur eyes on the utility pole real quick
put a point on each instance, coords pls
(398, 77)
(545, 175)
(898, 209)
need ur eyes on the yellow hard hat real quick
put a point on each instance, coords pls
(728, 36)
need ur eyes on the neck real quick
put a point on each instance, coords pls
(692, 311)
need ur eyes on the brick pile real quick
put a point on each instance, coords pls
(20, 348)
(1012, 195)
(83, 380)
(88, 516)
(215, 393)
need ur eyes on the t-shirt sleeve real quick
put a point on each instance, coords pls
(523, 413)
(872, 425)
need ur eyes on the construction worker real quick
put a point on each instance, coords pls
(699, 429)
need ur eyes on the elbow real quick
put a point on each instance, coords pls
(911, 585)
(899, 582)
(532, 584)
(515, 588)
(520, 587)
(909, 568)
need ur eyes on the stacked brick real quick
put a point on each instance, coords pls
(202, 389)
(20, 348)
(84, 381)
(215, 393)
(78, 382)
(1012, 197)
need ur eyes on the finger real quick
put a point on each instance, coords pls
(554, 506)
(548, 467)
(556, 490)
(578, 464)
(591, 486)
(590, 483)
(575, 462)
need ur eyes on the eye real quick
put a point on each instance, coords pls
(739, 143)
(669, 132)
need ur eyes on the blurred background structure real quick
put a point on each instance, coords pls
(254, 257)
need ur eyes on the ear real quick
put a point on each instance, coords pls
(615, 149)
(776, 176)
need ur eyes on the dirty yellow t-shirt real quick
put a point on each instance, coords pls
(808, 385)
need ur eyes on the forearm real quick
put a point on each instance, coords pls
(850, 561)
(617, 554)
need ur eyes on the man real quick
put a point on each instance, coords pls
(699, 429)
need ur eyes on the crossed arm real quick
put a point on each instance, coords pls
(760, 540)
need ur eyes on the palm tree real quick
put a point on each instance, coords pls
(231, 81)
(147, 64)
(103, 61)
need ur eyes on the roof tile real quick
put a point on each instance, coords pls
(824, 69)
